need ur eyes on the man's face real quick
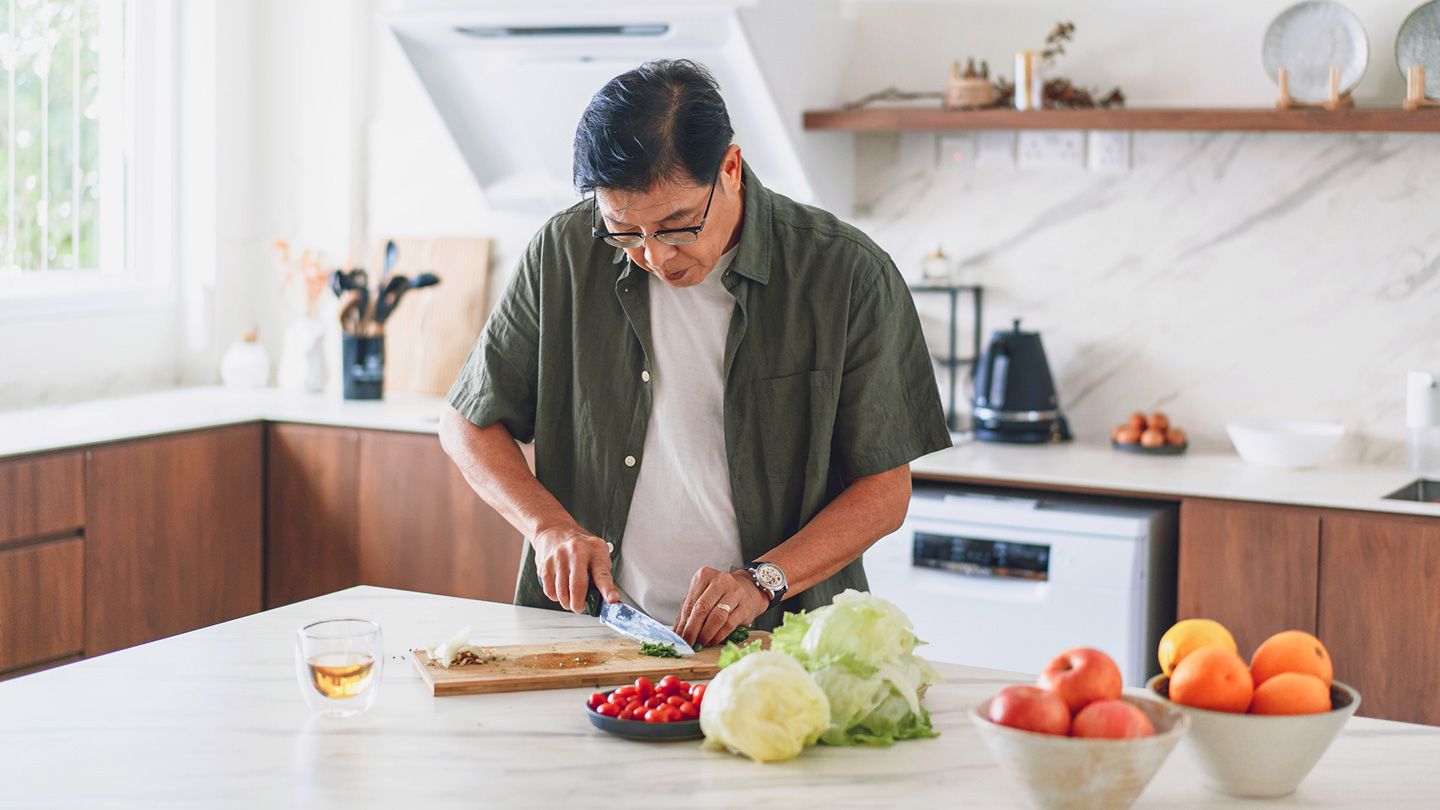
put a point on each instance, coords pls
(672, 204)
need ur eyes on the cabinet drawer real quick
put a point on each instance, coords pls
(41, 602)
(42, 496)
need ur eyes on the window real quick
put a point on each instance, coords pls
(87, 118)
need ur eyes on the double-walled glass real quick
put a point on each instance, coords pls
(339, 663)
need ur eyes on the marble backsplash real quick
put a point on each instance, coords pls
(1225, 276)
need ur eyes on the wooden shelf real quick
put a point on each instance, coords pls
(901, 119)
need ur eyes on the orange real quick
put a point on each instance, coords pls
(1291, 693)
(1212, 678)
(1190, 635)
(1291, 651)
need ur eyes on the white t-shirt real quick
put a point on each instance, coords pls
(682, 516)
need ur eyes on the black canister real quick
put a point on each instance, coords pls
(362, 364)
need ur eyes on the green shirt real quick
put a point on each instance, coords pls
(827, 376)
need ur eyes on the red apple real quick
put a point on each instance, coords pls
(1030, 708)
(1082, 675)
(1112, 719)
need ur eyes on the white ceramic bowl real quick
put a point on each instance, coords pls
(1261, 756)
(1079, 774)
(1286, 444)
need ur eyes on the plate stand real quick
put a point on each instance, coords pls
(1337, 100)
(1415, 89)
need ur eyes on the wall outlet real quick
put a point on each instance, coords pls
(1108, 151)
(1051, 149)
(957, 149)
(995, 149)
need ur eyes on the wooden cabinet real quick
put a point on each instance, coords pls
(173, 534)
(1251, 567)
(41, 603)
(423, 528)
(1380, 610)
(42, 496)
(312, 517)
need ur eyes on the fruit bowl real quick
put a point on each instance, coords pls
(1260, 756)
(1070, 772)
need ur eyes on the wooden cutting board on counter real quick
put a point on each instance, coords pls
(565, 665)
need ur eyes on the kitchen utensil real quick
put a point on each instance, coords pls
(636, 624)
(641, 730)
(1070, 772)
(1310, 38)
(1014, 398)
(390, 256)
(1142, 450)
(1260, 756)
(1282, 443)
(428, 338)
(565, 665)
(349, 312)
(340, 663)
(1418, 45)
(389, 297)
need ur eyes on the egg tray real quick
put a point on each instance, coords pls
(1139, 449)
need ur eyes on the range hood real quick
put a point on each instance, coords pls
(511, 78)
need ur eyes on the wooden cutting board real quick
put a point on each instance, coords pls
(430, 334)
(565, 665)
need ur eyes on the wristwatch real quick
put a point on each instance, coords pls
(769, 579)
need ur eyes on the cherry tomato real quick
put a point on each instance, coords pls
(635, 711)
(608, 709)
(644, 687)
(617, 699)
(627, 690)
(654, 701)
(697, 693)
(654, 716)
(685, 687)
(689, 711)
(669, 681)
(675, 700)
(672, 715)
(638, 705)
(596, 699)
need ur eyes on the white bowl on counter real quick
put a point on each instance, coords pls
(1281, 443)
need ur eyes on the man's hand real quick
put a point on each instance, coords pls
(568, 559)
(718, 603)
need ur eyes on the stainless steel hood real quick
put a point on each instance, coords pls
(511, 78)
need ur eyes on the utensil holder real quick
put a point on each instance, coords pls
(362, 366)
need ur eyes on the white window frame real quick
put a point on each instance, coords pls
(138, 138)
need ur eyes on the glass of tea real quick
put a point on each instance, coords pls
(339, 664)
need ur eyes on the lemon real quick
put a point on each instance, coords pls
(1190, 635)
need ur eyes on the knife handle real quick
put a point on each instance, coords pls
(593, 600)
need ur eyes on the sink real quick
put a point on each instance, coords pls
(1422, 490)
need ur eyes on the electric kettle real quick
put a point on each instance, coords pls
(1014, 398)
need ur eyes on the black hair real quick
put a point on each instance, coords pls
(662, 121)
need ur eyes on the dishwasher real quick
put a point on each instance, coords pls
(1009, 581)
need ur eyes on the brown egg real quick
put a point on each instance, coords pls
(1137, 421)
(1127, 434)
(1159, 421)
(1152, 438)
(1175, 437)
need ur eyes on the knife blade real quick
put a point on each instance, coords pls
(634, 623)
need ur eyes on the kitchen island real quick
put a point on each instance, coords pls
(215, 718)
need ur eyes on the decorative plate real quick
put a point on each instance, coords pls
(1418, 43)
(1308, 39)
(641, 730)
(1140, 449)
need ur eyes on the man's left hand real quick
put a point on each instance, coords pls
(718, 603)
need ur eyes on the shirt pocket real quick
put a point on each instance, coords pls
(796, 416)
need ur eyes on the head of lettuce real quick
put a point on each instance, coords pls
(765, 706)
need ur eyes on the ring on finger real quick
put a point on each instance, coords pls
(724, 607)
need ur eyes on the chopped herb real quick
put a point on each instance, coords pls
(658, 650)
(741, 633)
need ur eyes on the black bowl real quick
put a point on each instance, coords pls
(1162, 450)
(641, 730)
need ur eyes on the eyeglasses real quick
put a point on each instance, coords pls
(670, 236)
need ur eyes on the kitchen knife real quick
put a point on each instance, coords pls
(628, 621)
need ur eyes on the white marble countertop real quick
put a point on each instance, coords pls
(57, 427)
(1196, 473)
(1340, 485)
(215, 718)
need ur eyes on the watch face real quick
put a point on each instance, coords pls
(770, 576)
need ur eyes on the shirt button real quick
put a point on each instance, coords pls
(645, 376)
(610, 547)
(629, 461)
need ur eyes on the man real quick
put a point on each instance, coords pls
(724, 387)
